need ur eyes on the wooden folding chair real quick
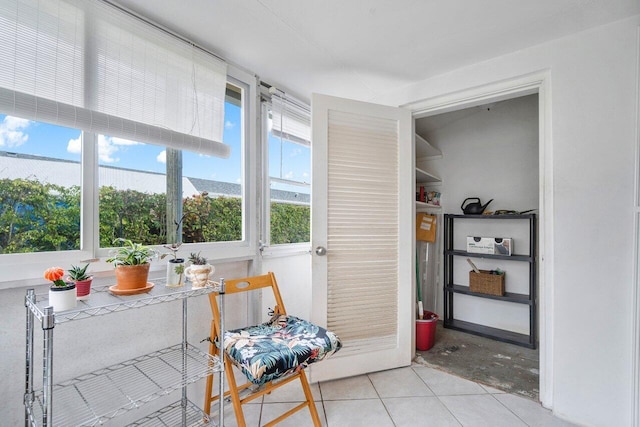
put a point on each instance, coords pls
(270, 355)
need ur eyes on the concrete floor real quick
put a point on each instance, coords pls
(507, 367)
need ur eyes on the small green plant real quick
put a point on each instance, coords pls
(131, 253)
(196, 259)
(78, 274)
(173, 247)
(179, 268)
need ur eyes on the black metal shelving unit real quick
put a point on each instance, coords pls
(451, 288)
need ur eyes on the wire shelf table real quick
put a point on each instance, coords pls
(99, 396)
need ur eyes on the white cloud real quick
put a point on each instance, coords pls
(289, 175)
(12, 131)
(296, 152)
(108, 146)
(74, 146)
(162, 157)
(229, 125)
(122, 141)
(106, 149)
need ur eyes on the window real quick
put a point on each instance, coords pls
(152, 193)
(121, 131)
(288, 131)
(40, 179)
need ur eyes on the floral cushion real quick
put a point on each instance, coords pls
(283, 345)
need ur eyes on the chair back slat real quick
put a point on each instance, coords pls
(249, 283)
(246, 284)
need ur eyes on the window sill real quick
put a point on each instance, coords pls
(277, 251)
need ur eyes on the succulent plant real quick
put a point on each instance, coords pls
(78, 274)
(196, 259)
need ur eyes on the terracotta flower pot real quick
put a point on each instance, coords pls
(129, 277)
(83, 289)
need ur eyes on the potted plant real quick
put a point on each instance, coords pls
(82, 279)
(62, 295)
(199, 271)
(175, 266)
(131, 262)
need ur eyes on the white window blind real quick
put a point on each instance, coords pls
(362, 233)
(91, 66)
(290, 119)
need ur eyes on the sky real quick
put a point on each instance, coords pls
(36, 138)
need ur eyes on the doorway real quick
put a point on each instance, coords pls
(491, 98)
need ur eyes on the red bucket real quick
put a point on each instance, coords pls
(426, 330)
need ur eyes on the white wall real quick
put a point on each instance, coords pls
(592, 99)
(293, 273)
(491, 153)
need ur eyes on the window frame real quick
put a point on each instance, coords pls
(267, 249)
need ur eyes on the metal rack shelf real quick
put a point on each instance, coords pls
(508, 296)
(451, 289)
(514, 257)
(104, 302)
(99, 396)
(489, 332)
(173, 415)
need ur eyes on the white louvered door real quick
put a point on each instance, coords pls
(362, 218)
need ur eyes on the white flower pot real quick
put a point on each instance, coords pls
(199, 274)
(62, 298)
(175, 273)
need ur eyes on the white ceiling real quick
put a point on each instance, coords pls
(362, 49)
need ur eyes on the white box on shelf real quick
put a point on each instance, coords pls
(490, 245)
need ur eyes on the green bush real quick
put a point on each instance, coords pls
(289, 223)
(38, 217)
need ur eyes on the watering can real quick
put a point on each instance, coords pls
(473, 208)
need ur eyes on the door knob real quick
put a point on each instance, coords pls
(320, 250)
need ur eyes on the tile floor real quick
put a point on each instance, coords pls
(411, 396)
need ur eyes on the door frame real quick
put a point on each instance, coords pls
(534, 83)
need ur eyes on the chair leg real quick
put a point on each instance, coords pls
(309, 396)
(208, 398)
(234, 392)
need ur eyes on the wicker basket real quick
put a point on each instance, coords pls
(486, 283)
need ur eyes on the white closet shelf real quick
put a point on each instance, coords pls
(426, 151)
(423, 207)
(423, 177)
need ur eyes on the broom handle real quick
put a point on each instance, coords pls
(418, 283)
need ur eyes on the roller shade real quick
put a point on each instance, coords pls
(291, 120)
(92, 66)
